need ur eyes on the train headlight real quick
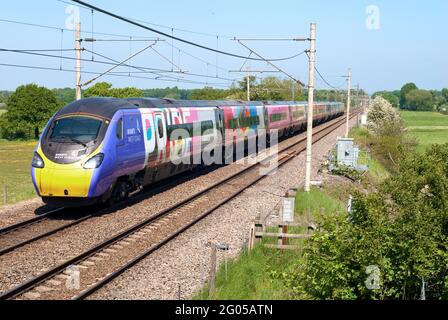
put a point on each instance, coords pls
(94, 162)
(38, 162)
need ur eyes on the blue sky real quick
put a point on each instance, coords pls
(409, 45)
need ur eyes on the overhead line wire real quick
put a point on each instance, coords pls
(116, 16)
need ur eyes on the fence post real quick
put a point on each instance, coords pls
(308, 220)
(211, 288)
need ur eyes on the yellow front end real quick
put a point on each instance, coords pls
(62, 180)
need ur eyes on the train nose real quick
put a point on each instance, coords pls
(64, 182)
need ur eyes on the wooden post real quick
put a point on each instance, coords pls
(280, 239)
(212, 278)
(308, 220)
(285, 231)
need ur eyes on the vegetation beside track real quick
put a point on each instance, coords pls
(392, 245)
(400, 230)
(258, 274)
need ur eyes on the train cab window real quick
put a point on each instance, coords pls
(76, 129)
(120, 129)
(160, 127)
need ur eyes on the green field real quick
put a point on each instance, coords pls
(428, 127)
(2, 111)
(15, 166)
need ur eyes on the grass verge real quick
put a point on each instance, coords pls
(251, 275)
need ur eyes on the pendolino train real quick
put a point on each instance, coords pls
(104, 149)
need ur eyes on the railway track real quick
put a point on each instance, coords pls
(29, 231)
(102, 263)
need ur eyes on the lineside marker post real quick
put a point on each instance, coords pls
(212, 278)
(309, 140)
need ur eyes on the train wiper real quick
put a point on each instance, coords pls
(71, 139)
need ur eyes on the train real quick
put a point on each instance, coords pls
(107, 149)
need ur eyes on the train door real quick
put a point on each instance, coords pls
(121, 148)
(130, 144)
(161, 136)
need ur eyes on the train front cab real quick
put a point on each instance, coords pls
(66, 158)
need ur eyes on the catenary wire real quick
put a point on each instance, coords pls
(116, 16)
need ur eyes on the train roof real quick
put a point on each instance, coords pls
(103, 107)
(107, 107)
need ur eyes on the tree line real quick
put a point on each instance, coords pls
(410, 97)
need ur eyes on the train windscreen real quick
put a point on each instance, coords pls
(81, 129)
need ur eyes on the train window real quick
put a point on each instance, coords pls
(206, 125)
(277, 117)
(76, 129)
(250, 121)
(120, 129)
(160, 127)
(298, 114)
(187, 127)
(233, 123)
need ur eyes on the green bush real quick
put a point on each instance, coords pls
(388, 139)
(402, 229)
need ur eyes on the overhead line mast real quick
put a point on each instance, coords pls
(309, 132)
(349, 89)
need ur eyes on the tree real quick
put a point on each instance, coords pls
(104, 89)
(4, 95)
(29, 109)
(389, 96)
(65, 95)
(269, 88)
(445, 93)
(389, 139)
(208, 93)
(404, 91)
(420, 100)
(381, 114)
(174, 93)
